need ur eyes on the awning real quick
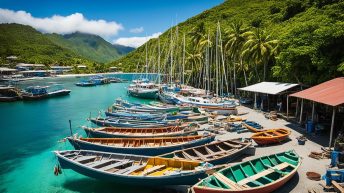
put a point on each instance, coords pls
(269, 87)
(329, 93)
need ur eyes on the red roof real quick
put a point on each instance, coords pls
(329, 93)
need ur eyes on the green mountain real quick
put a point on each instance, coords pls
(309, 35)
(33, 47)
(90, 46)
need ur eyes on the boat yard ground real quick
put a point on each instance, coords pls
(299, 183)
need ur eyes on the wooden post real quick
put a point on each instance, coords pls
(70, 128)
(313, 111)
(332, 125)
(297, 108)
(255, 101)
(301, 111)
(287, 107)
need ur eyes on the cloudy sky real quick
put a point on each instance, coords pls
(126, 22)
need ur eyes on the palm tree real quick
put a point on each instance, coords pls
(259, 48)
(235, 41)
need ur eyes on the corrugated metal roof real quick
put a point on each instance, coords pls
(269, 87)
(329, 93)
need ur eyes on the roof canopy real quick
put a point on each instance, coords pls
(329, 93)
(269, 87)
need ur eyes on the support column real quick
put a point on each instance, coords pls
(297, 108)
(287, 107)
(255, 101)
(301, 111)
(313, 111)
(332, 125)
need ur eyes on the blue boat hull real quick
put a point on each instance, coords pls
(78, 144)
(180, 179)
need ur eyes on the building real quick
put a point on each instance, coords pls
(113, 69)
(35, 73)
(60, 69)
(7, 71)
(82, 66)
(23, 66)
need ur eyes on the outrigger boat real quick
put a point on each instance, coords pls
(219, 152)
(117, 132)
(261, 175)
(133, 169)
(271, 136)
(140, 146)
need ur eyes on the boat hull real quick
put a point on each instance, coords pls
(144, 95)
(181, 179)
(266, 189)
(149, 151)
(98, 134)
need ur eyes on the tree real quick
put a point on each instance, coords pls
(234, 45)
(259, 48)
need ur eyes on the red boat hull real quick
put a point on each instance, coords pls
(264, 189)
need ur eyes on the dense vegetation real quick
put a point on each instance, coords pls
(32, 46)
(90, 46)
(293, 41)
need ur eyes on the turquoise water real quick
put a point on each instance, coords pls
(30, 131)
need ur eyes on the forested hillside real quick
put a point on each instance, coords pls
(294, 40)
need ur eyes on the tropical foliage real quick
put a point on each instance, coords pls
(293, 41)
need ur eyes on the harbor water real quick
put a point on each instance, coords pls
(31, 131)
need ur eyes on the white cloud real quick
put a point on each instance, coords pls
(136, 30)
(135, 41)
(62, 24)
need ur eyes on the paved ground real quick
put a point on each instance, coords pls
(299, 183)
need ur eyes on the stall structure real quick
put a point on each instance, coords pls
(269, 88)
(329, 93)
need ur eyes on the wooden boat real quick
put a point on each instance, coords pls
(133, 169)
(219, 152)
(41, 92)
(133, 115)
(261, 175)
(140, 146)
(271, 136)
(127, 123)
(200, 119)
(117, 132)
(221, 110)
(252, 126)
(9, 94)
(233, 118)
(144, 90)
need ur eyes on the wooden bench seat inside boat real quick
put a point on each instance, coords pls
(264, 173)
(152, 170)
(227, 181)
(117, 164)
(84, 159)
(100, 163)
(128, 170)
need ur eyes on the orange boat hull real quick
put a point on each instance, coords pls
(271, 136)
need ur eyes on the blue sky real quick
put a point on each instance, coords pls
(125, 22)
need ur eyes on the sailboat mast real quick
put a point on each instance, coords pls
(183, 59)
(146, 61)
(159, 60)
(216, 64)
(171, 59)
(223, 60)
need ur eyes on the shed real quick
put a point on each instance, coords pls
(330, 93)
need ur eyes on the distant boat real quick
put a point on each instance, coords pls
(217, 152)
(117, 132)
(261, 175)
(202, 102)
(86, 83)
(140, 146)
(129, 123)
(271, 136)
(252, 126)
(133, 169)
(143, 90)
(41, 92)
(9, 94)
(221, 110)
